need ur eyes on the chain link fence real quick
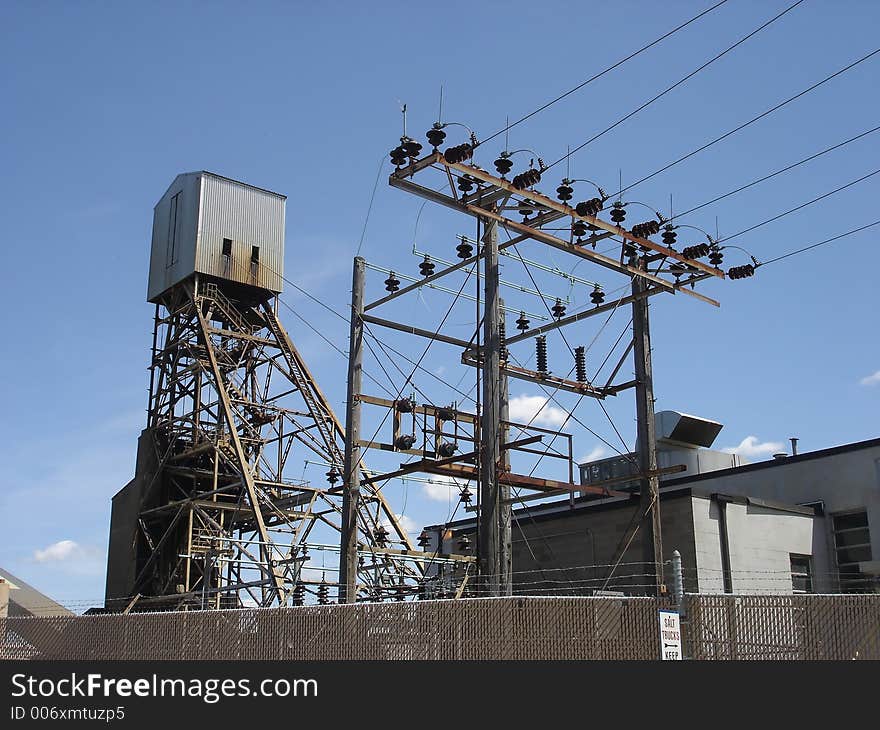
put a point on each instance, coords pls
(517, 628)
(782, 627)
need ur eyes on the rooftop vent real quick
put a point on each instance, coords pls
(681, 429)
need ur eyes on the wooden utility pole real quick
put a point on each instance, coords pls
(649, 484)
(494, 541)
(351, 472)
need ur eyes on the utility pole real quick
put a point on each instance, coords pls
(649, 485)
(351, 479)
(492, 538)
(505, 512)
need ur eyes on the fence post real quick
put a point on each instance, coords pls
(677, 581)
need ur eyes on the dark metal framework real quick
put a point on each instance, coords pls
(233, 406)
(653, 269)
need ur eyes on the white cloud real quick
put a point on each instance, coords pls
(58, 551)
(871, 379)
(535, 409)
(596, 453)
(751, 448)
(407, 523)
(441, 489)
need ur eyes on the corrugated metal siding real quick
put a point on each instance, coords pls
(209, 209)
(163, 272)
(249, 217)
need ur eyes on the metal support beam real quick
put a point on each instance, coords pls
(351, 476)
(246, 473)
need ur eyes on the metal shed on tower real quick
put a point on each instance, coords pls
(210, 224)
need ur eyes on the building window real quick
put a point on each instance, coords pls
(227, 247)
(801, 573)
(852, 545)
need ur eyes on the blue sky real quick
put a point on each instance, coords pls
(105, 103)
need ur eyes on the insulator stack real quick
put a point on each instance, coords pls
(435, 136)
(502, 340)
(464, 250)
(558, 309)
(426, 268)
(597, 296)
(459, 153)
(464, 543)
(646, 229)
(447, 413)
(522, 324)
(405, 405)
(618, 213)
(446, 449)
(589, 207)
(677, 270)
(399, 592)
(424, 539)
(298, 597)
(423, 589)
(323, 592)
(669, 235)
(398, 156)
(716, 257)
(695, 252)
(380, 536)
(392, 283)
(503, 165)
(526, 179)
(541, 354)
(333, 476)
(629, 249)
(465, 496)
(405, 442)
(411, 148)
(578, 229)
(526, 208)
(580, 364)
(465, 183)
(565, 192)
(741, 272)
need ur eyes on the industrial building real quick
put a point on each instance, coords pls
(19, 599)
(806, 522)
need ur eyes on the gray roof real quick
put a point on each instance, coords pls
(25, 600)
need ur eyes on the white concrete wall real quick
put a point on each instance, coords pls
(760, 541)
(844, 482)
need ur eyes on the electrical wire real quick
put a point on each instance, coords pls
(370, 206)
(820, 243)
(751, 121)
(773, 174)
(799, 207)
(676, 84)
(571, 91)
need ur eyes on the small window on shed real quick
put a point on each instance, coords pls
(255, 254)
(801, 573)
(227, 247)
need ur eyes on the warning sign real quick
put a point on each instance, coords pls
(670, 635)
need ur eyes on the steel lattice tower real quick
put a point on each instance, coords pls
(212, 517)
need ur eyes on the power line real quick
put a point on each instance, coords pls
(603, 72)
(676, 84)
(821, 243)
(749, 122)
(370, 206)
(799, 207)
(774, 174)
